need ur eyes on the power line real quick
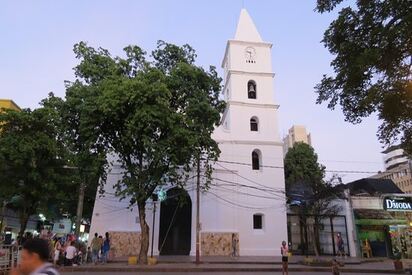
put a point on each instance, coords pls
(239, 205)
(329, 171)
(279, 194)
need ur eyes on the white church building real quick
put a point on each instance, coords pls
(245, 207)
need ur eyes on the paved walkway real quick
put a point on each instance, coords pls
(241, 264)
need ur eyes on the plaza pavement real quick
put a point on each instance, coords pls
(241, 265)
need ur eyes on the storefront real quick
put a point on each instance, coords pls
(384, 231)
(301, 234)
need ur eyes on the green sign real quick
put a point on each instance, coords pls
(161, 194)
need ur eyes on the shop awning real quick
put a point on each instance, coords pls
(378, 217)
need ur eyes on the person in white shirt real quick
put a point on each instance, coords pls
(71, 253)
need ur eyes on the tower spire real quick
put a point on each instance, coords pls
(246, 29)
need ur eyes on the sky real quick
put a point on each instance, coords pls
(36, 57)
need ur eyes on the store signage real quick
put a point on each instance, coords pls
(397, 204)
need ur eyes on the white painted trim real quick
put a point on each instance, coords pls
(272, 74)
(253, 105)
(250, 142)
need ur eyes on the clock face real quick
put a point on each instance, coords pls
(250, 53)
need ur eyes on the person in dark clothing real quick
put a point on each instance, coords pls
(34, 258)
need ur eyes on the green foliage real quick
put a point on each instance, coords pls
(301, 165)
(308, 194)
(31, 161)
(372, 44)
(85, 155)
(156, 116)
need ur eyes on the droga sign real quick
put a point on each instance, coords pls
(397, 204)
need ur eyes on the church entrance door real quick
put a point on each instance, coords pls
(175, 223)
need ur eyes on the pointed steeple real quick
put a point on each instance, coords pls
(246, 29)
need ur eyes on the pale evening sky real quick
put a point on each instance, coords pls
(37, 38)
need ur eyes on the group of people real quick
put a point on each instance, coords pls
(100, 248)
(71, 253)
(67, 253)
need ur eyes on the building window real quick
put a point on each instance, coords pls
(257, 221)
(254, 124)
(256, 160)
(251, 89)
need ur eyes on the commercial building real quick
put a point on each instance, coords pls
(398, 168)
(9, 104)
(381, 218)
(394, 156)
(297, 133)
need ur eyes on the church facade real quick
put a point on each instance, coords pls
(244, 211)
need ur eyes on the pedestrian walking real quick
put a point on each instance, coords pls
(89, 255)
(284, 251)
(341, 245)
(95, 245)
(34, 257)
(71, 253)
(106, 248)
(57, 250)
(101, 248)
(234, 246)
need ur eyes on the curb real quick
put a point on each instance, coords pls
(220, 269)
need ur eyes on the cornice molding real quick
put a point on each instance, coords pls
(250, 142)
(254, 105)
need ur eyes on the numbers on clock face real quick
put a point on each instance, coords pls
(250, 54)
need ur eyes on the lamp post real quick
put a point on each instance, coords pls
(198, 213)
(154, 198)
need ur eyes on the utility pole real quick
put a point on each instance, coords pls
(198, 213)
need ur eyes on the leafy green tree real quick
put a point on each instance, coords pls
(86, 154)
(157, 117)
(372, 44)
(308, 194)
(31, 161)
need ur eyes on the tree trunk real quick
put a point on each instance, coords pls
(316, 238)
(3, 212)
(144, 234)
(24, 218)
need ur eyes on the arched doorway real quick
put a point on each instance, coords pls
(175, 223)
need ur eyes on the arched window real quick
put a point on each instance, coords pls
(256, 160)
(251, 89)
(254, 124)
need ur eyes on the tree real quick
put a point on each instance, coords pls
(372, 45)
(307, 192)
(157, 117)
(86, 154)
(31, 161)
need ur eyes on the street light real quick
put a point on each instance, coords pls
(42, 217)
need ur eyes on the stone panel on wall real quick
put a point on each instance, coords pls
(124, 243)
(219, 243)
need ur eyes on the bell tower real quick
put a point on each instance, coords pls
(248, 83)
(251, 155)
